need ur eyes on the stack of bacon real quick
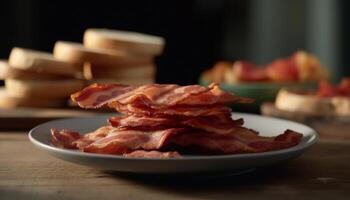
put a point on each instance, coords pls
(164, 120)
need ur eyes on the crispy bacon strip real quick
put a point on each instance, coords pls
(73, 140)
(155, 96)
(241, 140)
(142, 122)
(89, 138)
(64, 138)
(220, 124)
(110, 140)
(153, 154)
(213, 96)
(188, 111)
(128, 140)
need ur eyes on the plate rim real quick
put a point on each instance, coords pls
(310, 141)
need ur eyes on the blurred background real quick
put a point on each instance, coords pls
(198, 32)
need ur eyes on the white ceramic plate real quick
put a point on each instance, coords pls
(267, 126)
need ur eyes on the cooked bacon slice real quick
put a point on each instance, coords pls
(155, 96)
(64, 138)
(111, 140)
(97, 95)
(242, 140)
(188, 111)
(213, 96)
(221, 124)
(128, 140)
(89, 138)
(152, 154)
(143, 122)
(73, 140)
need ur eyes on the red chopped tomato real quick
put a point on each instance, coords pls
(326, 89)
(247, 71)
(344, 87)
(283, 70)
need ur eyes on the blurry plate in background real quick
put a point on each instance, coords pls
(259, 91)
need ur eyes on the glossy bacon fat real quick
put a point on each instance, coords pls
(154, 96)
(160, 121)
(240, 140)
(220, 124)
(130, 142)
(113, 140)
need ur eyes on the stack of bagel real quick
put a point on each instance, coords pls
(41, 79)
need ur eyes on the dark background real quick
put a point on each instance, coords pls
(198, 32)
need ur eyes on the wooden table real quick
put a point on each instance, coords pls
(28, 173)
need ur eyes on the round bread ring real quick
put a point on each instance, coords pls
(132, 42)
(78, 53)
(41, 62)
(43, 88)
(7, 101)
(304, 102)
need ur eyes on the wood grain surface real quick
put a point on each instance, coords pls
(28, 173)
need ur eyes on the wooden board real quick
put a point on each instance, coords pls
(27, 118)
(337, 128)
(28, 173)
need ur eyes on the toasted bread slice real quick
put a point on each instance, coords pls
(305, 102)
(132, 42)
(126, 81)
(77, 53)
(41, 62)
(134, 72)
(43, 88)
(4, 69)
(341, 105)
(8, 101)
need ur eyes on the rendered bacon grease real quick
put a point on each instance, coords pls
(167, 121)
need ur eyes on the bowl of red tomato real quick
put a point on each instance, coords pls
(262, 83)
